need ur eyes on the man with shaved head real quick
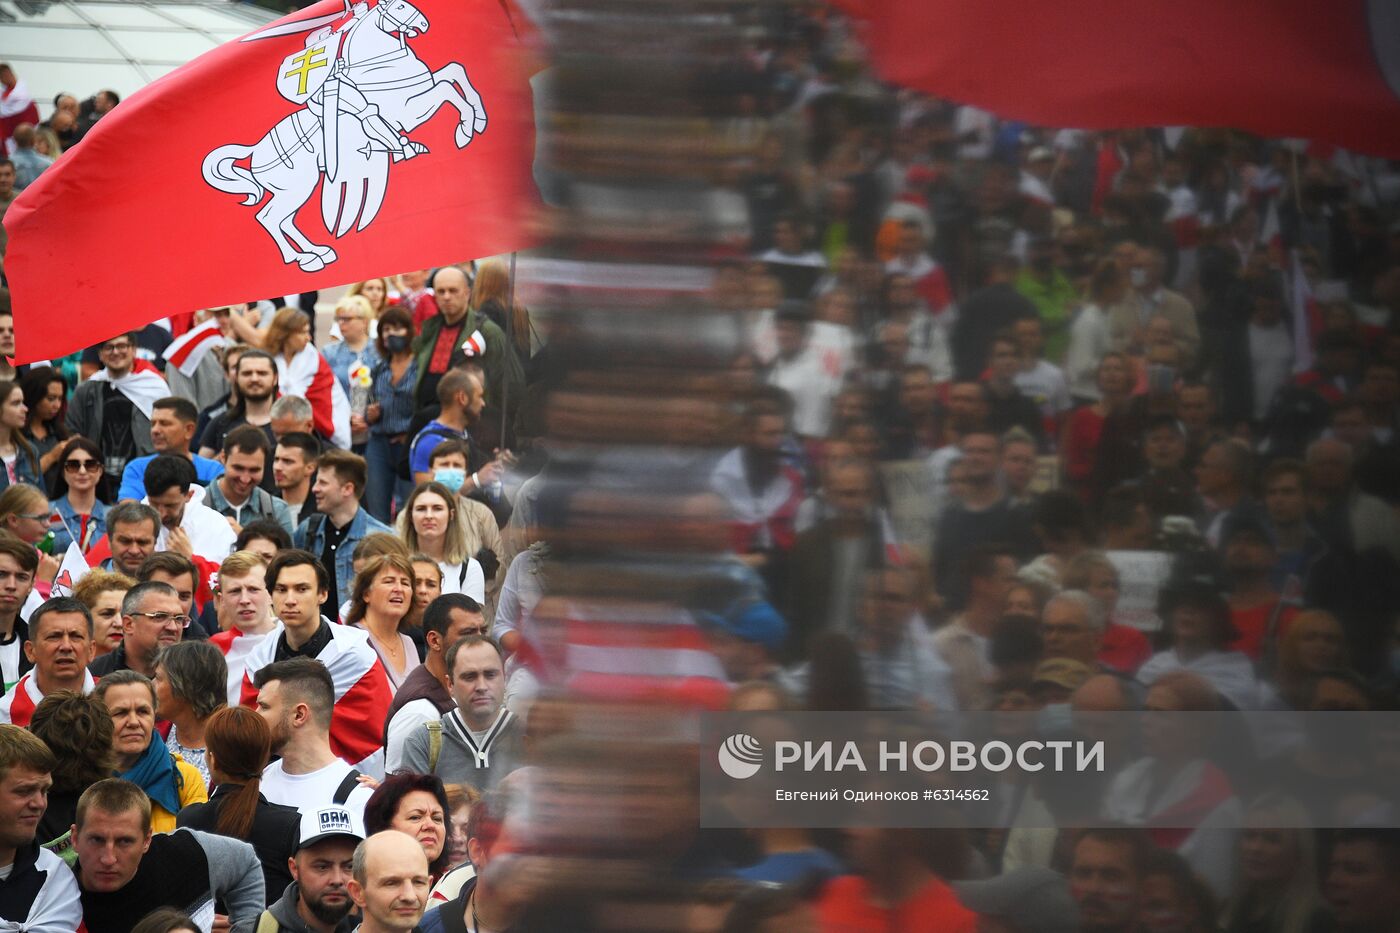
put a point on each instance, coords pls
(452, 328)
(389, 882)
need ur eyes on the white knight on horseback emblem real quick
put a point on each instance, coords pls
(360, 92)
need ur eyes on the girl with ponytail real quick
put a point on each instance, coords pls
(239, 746)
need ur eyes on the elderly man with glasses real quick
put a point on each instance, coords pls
(113, 407)
(152, 618)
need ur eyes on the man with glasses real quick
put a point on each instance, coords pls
(173, 421)
(184, 577)
(423, 696)
(113, 407)
(152, 618)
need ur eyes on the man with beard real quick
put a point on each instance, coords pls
(762, 490)
(296, 698)
(255, 380)
(1105, 878)
(318, 900)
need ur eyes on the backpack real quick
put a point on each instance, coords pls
(434, 743)
(406, 458)
(345, 788)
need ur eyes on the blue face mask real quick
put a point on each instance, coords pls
(451, 477)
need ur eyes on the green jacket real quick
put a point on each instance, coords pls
(503, 370)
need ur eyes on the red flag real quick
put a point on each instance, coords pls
(248, 189)
(1328, 71)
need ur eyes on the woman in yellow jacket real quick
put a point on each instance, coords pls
(142, 757)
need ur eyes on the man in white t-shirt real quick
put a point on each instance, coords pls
(798, 370)
(186, 525)
(1038, 379)
(296, 697)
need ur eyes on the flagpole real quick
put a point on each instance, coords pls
(510, 342)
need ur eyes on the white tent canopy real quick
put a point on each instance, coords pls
(84, 46)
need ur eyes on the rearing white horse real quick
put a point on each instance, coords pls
(348, 131)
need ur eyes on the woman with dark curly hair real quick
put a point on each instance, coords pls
(78, 730)
(415, 804)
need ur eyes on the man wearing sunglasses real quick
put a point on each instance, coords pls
(113, 408)
(152, 618)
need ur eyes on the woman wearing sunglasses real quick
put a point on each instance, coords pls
(78, 508)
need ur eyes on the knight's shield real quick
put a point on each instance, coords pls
(300, 75)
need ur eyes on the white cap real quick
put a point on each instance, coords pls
(328, 823)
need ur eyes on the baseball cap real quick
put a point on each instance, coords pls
(327, 823)
(756, 622)
(1062, 672)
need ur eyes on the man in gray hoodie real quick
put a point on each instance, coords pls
(479, 741)
(318, 901)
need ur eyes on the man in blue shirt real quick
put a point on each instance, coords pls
(462, 397)
(172, 431)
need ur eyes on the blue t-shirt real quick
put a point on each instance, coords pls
(134, 476)
(426, 441)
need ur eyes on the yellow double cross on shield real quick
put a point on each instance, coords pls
(307, 62)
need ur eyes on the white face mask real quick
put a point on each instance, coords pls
(1138, 277)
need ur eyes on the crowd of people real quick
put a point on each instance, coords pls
(1017, 419)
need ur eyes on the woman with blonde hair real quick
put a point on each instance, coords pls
(375, 291)
(354, 317)
(492, 284)
(25, 514)
(433, 522)
(102, 592)
(1274, 889)
(1313, 643)
(381, 600)
(1124, 648)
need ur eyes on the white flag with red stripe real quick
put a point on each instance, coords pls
(237, 647)
(310, 376)
(639, 653)
(17, 707)
(73, 568)
(143, 386)
(362, 692)
(188, 350)
(475, 345)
